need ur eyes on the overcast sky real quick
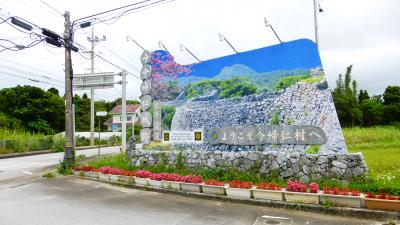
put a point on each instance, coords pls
(364, 33)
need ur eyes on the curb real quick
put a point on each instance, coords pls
(42, 152)
(335, 211)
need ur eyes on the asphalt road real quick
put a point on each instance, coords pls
(70, 201)
(28, 166)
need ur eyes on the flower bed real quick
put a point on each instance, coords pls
(214, 187)
(239, 189)
(191, 183)
(299, 192)
(128, 176)
(172, 181)
(341, 197)
(142, 177)
(156, 179)
(382, 202)
(269, 191)
(295, 191)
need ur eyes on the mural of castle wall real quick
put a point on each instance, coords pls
(278, 85)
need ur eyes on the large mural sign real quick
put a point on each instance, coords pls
(278, 92)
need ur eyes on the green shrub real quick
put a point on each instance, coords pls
(58, 143)
(285, 82)
(312, 149)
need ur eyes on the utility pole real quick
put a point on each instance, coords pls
(69, 155)
(316, 22)
(93, 40)
(123, 109)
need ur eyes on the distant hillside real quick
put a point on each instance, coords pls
(264, 81)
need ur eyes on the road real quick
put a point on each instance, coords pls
(28, 166)
(70, 201)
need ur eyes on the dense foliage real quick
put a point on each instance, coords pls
(228, 88)
(35, 110)
(359, 109)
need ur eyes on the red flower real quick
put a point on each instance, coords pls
(240, 184)
(143, 173)
(268, 186)
(313, 187)
(296, 186)
(191, 179)
(84, 168)
(214, 182)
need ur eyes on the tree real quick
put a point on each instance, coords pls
(363, 95)
(346, 100)
(391, 95)
(373, 112)
(391, 100)
(33, 108)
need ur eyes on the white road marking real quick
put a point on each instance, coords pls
(26, 172)
(26, 165)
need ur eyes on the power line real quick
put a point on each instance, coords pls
(125, 12)
(27, 72)
(30, 67)
(58, 13)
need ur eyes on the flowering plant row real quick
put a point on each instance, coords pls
(269, 186)
(214, 182)
(382, 195)
(105, 170)
(298, 186)
(341, 191)
(84, 168)
(240, 184)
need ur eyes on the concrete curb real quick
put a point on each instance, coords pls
(335, 211)
(42, 152)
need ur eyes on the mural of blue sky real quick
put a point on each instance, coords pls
(265, 69)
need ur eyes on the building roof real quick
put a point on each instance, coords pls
(129, 109)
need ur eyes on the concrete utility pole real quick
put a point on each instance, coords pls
(93, 40)
(69, 156)
(316, 21)
(123, 109)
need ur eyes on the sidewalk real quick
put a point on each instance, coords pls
(41, 152)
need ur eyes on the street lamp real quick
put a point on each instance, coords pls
(129, 38)
(223, 38)
(161, 45)
(268, 24)
(183, 48)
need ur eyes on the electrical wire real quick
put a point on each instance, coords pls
(150, 5)
(58, 13)
(30, 73)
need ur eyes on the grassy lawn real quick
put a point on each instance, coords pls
(381, 149)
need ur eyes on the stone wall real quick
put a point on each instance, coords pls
(293, 164)
(300, 104)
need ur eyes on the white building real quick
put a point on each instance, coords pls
(115, 122)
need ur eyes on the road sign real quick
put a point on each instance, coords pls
(93, 81)
(114, 127)
(101, 113)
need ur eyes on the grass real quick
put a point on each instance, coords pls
(21, 141)
(380, 147)
(48, 174)
(158, 146)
